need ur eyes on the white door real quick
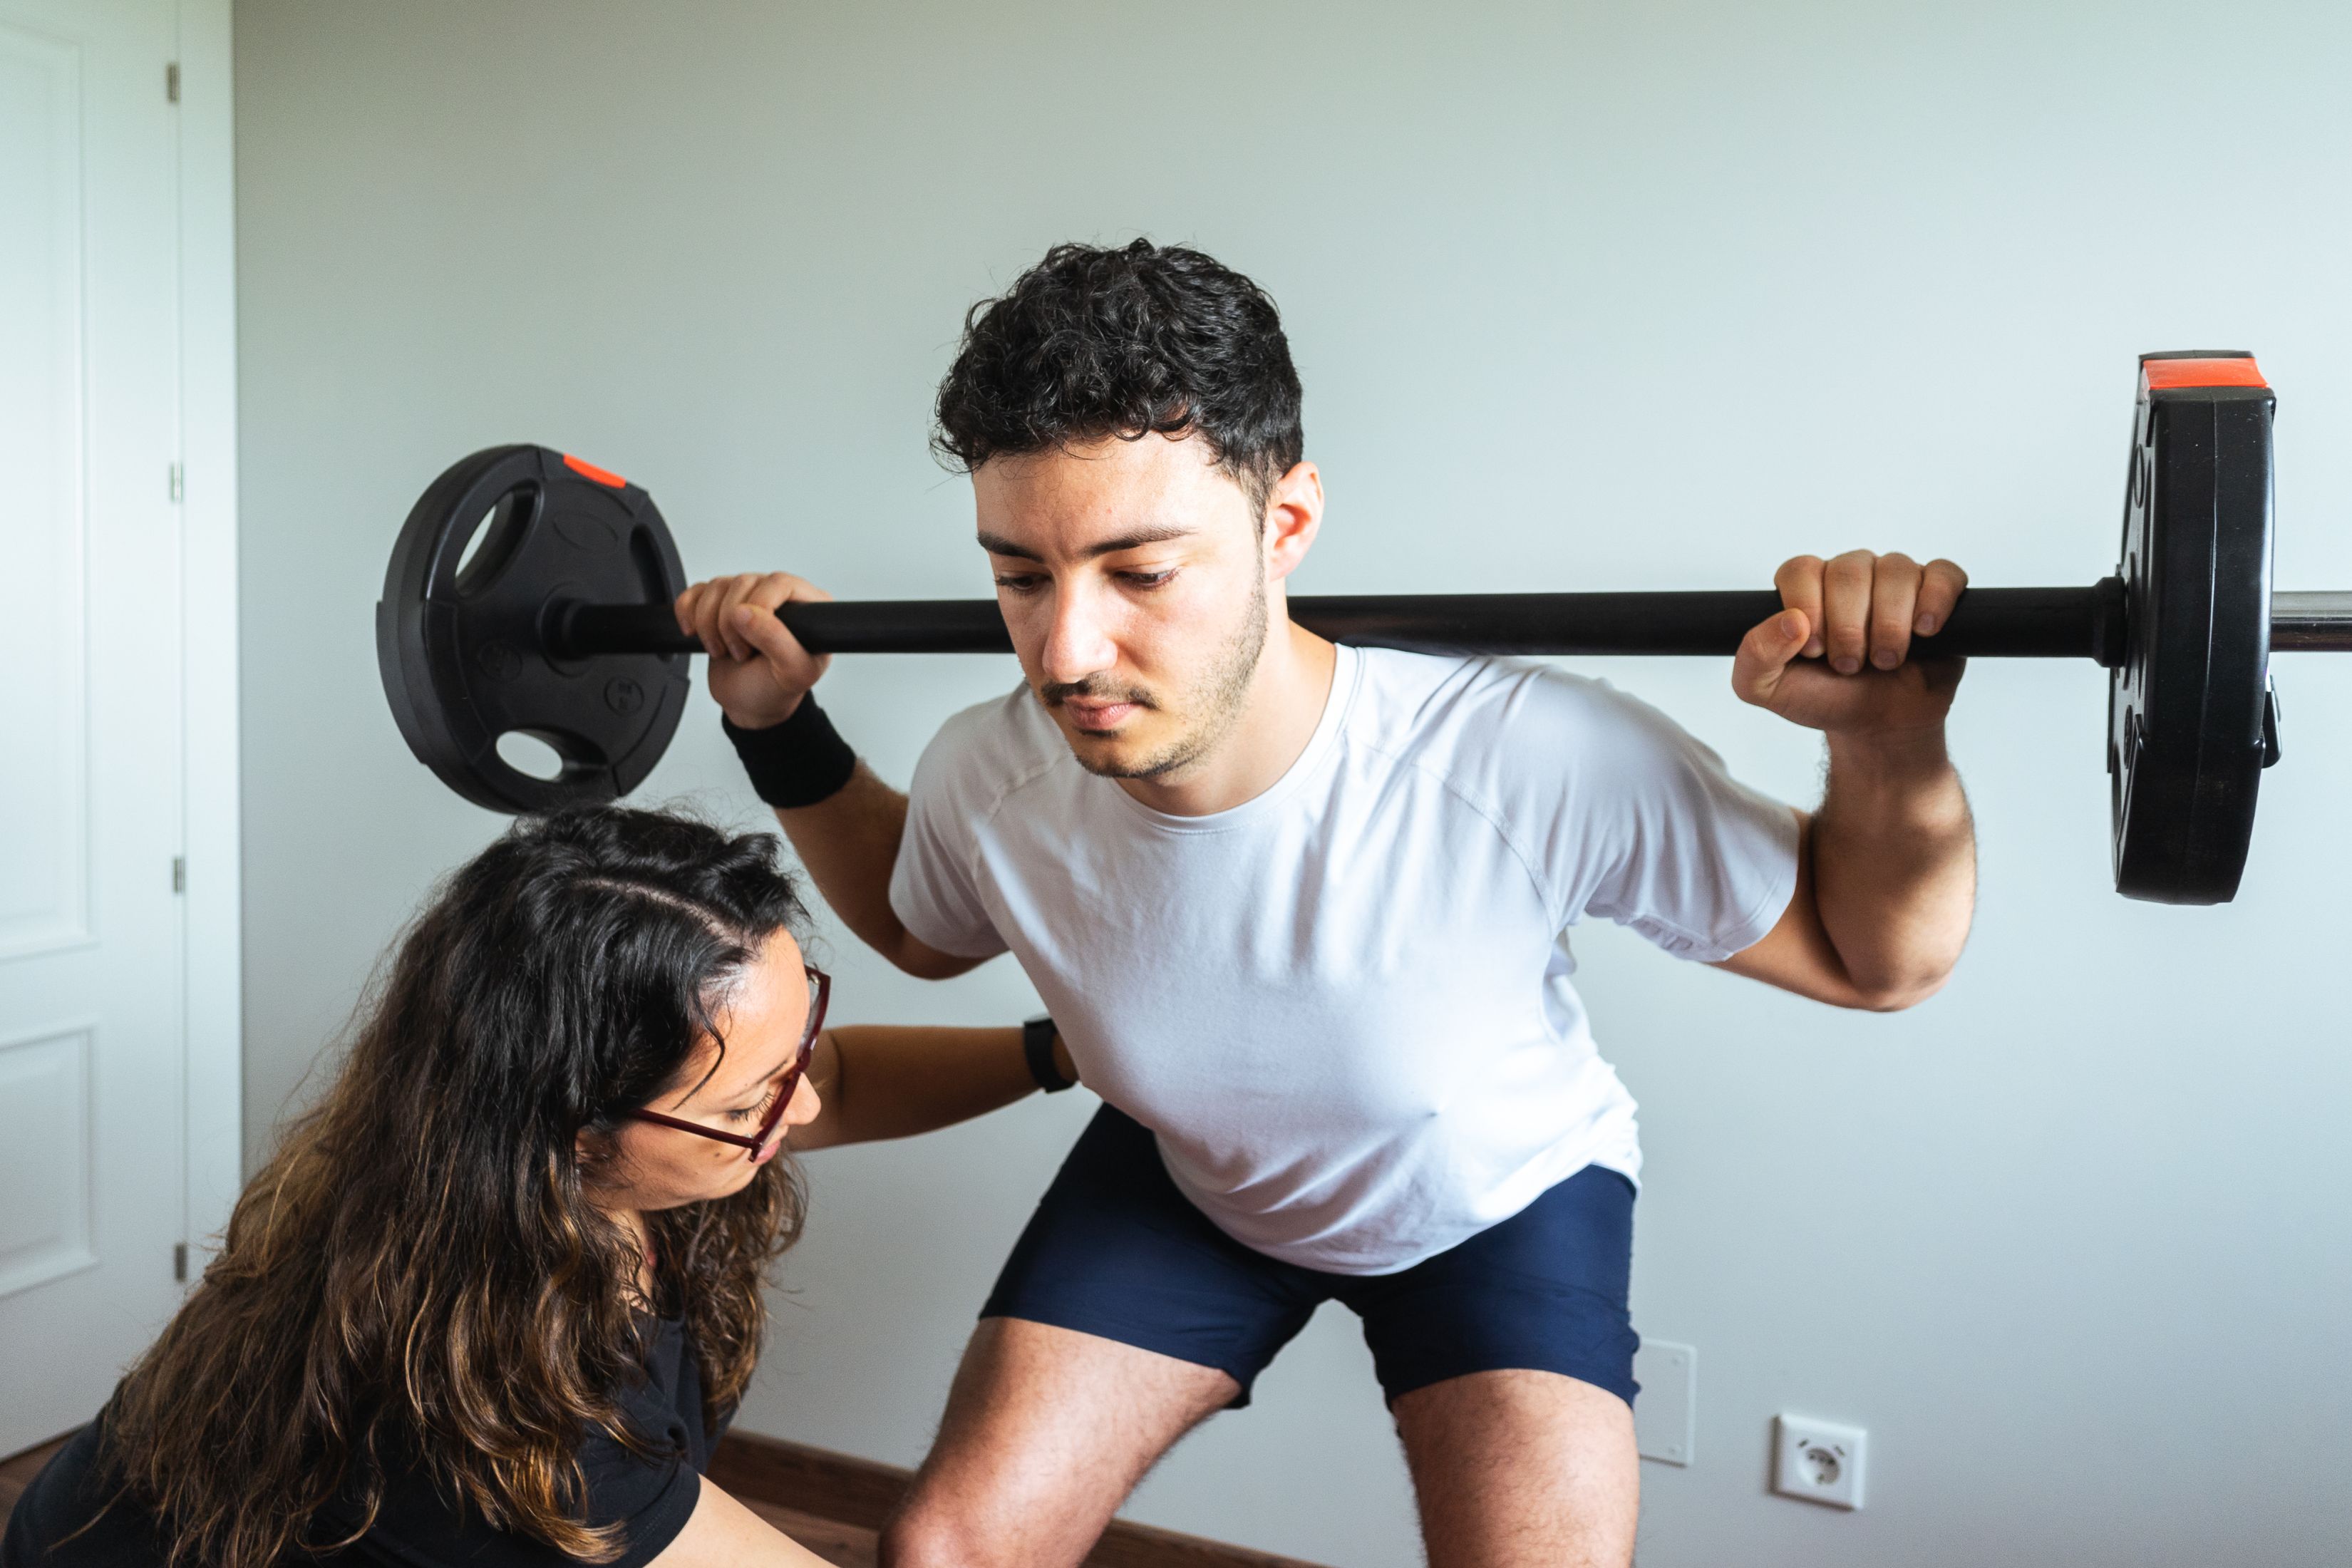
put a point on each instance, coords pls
(92, 1065)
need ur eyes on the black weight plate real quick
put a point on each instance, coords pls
(2185, 708)
(463, 652)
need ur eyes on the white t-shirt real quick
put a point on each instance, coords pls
(1344, 1006)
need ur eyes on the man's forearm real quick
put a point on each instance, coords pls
(849, 843)
(1894, 863)
(894, 1081)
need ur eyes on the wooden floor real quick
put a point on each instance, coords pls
(843, 1502)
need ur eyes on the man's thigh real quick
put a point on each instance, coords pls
(1046, 1432)
(1522, 1469)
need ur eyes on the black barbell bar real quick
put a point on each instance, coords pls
(1987, 623)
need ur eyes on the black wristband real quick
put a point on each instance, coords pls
(798, 763)
(1037, 1044)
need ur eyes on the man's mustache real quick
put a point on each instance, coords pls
(1053, 693)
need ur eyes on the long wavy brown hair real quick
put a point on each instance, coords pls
(417, 1276)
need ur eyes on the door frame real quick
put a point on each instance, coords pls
(212, 917)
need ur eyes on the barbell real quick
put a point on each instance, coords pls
(530, 592)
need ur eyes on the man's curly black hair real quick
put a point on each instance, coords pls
(1130, 341)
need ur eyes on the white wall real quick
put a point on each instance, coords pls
(1582, 295)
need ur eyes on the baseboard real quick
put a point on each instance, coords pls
(862, 1492)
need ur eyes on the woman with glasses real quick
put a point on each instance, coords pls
(494, 1299)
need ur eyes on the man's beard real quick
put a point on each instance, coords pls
(1218, 699)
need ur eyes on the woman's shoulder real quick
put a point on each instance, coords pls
(666, 1404)
(646, 1483)
(75, 1488)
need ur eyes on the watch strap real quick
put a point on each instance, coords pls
(1037, 1046)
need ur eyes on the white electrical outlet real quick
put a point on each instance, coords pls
(1819, 1461)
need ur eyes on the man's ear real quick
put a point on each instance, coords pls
(1294, 512)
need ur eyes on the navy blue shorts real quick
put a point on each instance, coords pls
(1116, 1250)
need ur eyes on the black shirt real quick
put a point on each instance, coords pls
(417, 1527)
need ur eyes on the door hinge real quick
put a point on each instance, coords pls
(179, 873)
(179, 483)
(180, 1262)
(172, 83)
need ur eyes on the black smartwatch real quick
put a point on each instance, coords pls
(1037, 1044)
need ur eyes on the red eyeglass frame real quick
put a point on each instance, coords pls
(820, 994)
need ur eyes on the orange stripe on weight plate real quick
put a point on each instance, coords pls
(607, 476)
(2165, 374)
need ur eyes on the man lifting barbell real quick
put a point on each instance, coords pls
(1296, 908)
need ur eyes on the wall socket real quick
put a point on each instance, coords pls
(1818, 1462)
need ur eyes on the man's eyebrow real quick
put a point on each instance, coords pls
(997, 544)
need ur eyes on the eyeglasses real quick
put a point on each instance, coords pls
(820, 991)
